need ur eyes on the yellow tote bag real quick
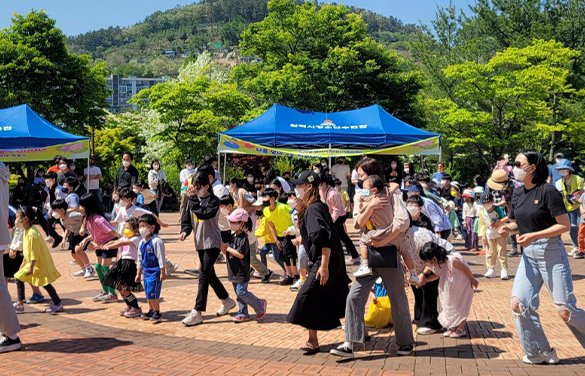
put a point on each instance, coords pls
(379, 315)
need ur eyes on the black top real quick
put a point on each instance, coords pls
(536, 209)
(446, 193)
(318, 231)
(125, 179)
(239, 269)
(422, 221)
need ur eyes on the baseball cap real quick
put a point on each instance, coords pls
(307, 177)
(238, 215)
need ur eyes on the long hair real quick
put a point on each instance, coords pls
(311, 197)
(90, 203)
(541, 172)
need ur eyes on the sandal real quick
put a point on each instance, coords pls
(310, 349)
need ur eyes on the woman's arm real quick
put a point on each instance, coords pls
(323, 272)
(563, 225)
(364, 217)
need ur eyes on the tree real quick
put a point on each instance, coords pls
(193, 109)
(515, 100)
(323, 59)
(37, 69)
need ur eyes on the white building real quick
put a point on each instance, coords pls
(124, 88)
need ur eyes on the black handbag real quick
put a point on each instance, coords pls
(382, 257)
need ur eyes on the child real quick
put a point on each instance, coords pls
(478, 191)
(151, 263)
(581, 233)
(469, 217)
(122, 276)
(345, 201)
(37, 268)
(278, 217)
(145, 196)
(73, 221)
(116, 201)
(237, 253)
(372, 217)
(72, 198)
(100, 234)
(293, 231)
(490, 220)
(129, 210)
(456, 283)
(263, 232)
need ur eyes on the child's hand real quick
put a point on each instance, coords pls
(422, 279)
(224, 247)
(375, 300)
(12, 254)
(163, 274)
(30, 271)
(474, 283)
(62, 245)
(164, 225)
(183, 236)
(192, 190)
(137, 279)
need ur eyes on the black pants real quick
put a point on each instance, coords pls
(207, 277)
(349, 246)
(50, 289)
(41, 218)
(51, 221)
(425, 305)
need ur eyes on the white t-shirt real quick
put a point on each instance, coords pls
(93, 171)
(341, 172)
(125, 214)
(220, 191)
(354, 176)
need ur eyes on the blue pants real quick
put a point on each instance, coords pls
(246, 298)
(575, 219)
(544, 262)
(275, 253)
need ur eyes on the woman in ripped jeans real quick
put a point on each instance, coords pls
(540, 213)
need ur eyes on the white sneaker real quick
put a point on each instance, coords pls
(573, 251)
(504, 275)
(547, 357)
(226, 305)
(362, 272)
(490, 273)
(297, 286)
(49, 239)
(459, 237)
(426, 331)
(79, 273)
(193, 318)
(89, 272)
(171, 268)
(72, 262)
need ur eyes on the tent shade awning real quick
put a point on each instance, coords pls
(27, 136)
(290, 131)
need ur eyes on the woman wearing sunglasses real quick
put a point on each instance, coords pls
(541, 215)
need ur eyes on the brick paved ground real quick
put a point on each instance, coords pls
(91, 338)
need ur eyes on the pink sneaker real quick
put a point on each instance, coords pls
(459, 333)
(55, 308)
(240, 318)
(122, 312)
(263, 314)
(133, 312)
(18, 308)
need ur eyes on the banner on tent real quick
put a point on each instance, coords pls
(227, 144)
(72, 150)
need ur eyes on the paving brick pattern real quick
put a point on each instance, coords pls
(91, 338)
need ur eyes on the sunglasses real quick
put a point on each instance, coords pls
(517, 164)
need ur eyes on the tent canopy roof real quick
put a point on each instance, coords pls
(21, 127)
(365, 128)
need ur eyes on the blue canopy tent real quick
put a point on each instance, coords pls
(26, 136)
(284, 131)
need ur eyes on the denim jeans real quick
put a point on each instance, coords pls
(544, 261)
(275, 253)
(246, 298)
(575, 219)
(303, 258)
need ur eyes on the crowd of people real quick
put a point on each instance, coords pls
(405, 221)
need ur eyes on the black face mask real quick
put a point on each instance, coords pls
(339, 162)
(265, 203)
(360, 184)
(21, 184)
(259, 213)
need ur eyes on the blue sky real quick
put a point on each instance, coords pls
(78, 16)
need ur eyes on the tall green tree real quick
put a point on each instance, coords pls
(322, 58)
(517, 99)
(37, 69)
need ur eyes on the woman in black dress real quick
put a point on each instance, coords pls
(320, 303)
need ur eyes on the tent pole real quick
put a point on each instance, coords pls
(224, 164)
(87, 178)
(440, 153)
(219, 161)
(329, 158)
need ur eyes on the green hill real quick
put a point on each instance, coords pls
(208, 25)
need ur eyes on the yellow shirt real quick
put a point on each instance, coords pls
(34, 248)
(263, 232)
(280, 217)
(345, 200)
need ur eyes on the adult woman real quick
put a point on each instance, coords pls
(437, 176)
(393, 279)
(541, 215)
(155, 175)
(408, 169)
(320, 302)
(394, 173)
(127, 174)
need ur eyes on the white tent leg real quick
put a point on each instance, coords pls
(219, 161)
(329, 158)
(87, 178)
(224, 164)
(440, 153)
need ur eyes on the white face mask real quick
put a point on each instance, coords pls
(413, 210)
(393, 165)
(18, 223)
(125, 163)
(189, 167)
(300, 192)
(62, 167)
(324, 164)
(137, 191)
(224, 211)
(292, 203)
(519, 174)
(156, 167)
(563, 173)
(424, 185)
(487, 206)
(234, 226)
(56, 215)
(202, 192)
(406, 170)
(442, 184)
(144, 232)
(251, 179)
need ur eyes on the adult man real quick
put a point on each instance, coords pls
(94, 174)
(437, 176)
(571, 187)
(553, 174)
(127, 174)
(445, 185)
(342, 172)
(9, 326)
(186, 174)
(55, 191)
